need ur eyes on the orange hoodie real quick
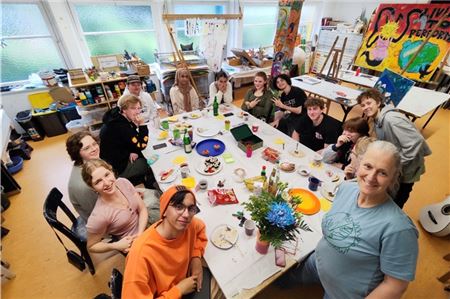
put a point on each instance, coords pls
(155, 265)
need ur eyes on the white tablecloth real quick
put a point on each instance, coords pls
(240, 267)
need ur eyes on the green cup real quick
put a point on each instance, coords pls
(165, 124)
(176, 134)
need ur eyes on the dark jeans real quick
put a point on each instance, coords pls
(205, 292)
(403, 194)
(304, 273)
(287, 125)
(138, 172)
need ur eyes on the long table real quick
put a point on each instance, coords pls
(240, 271)
(330, 91)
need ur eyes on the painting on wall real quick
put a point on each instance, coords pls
(393, 86)
(289, 12)
(397, 31)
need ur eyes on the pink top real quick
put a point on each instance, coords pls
(119, 222)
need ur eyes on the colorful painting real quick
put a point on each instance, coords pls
(396, 32)
(393, 86)
(289, 12)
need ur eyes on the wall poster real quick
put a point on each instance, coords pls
(395, 33)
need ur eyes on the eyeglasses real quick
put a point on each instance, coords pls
(89, 147)
(192, 210)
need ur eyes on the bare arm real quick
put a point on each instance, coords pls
(143, 215)
(389, 288)
(295, 135)
(95, 244)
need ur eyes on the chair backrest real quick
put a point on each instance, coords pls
(115, 284)
(51, 205)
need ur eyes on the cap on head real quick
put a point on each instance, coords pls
(133, 79)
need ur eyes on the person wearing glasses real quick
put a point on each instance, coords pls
(123, 137)
(165, 261)
(81, 147)
(119, 210)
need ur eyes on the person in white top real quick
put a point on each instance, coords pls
(221, 88)
(183, 96)
(149, 106)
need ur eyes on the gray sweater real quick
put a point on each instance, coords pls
(81, 196)
(393, 126)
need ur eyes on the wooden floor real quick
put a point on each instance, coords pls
(42, 269)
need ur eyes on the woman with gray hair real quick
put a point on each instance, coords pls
(369, 245)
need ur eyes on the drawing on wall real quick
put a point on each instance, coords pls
(393, 86)
(289, 12)
(396, 32)
(213, 38)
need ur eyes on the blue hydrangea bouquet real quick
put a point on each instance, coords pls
(276, 217)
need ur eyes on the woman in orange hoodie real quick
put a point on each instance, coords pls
(165, 261)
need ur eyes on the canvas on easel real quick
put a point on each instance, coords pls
(393, 86)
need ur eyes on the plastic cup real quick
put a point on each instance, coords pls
(313, 183)
(165, 124)
(176, 134)
(255, 128)
(227, 124)
(249, 226)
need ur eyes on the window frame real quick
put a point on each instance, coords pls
(82, 35)
(53, 34)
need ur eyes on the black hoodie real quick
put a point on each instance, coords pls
(119, 138)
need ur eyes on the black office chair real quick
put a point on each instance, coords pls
(115, 284)
(77, 233)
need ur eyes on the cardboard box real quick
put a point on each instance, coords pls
(244, 137)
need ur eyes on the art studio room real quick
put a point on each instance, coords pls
(225, 149)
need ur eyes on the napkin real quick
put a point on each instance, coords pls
(188, 182)
(279, 141)
(179, 160)
(325, 205)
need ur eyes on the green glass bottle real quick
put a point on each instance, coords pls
(187, 143)
(215, 107)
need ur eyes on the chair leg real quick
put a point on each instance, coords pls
(88, 260)
(6, 273)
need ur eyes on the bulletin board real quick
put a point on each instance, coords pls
(397, 31)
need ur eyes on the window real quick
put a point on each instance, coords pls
(111, 29)
(27, 44)
(259, 25)
(193, 9)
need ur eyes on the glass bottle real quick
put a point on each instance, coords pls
(215, 107)
(187, 143)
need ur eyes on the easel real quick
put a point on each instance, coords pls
(335, 63)
(179, 54)
(337, 59)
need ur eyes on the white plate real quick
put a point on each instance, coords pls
(326, 194)
(202, 165)
(207, 132)
(194, 115)
(170, 179)
(224, 236)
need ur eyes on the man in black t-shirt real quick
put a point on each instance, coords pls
(289, 106)
(316, 130)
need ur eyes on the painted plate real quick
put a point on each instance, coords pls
(310, 203)
(210, 147)
(170, 178)
(224, 236)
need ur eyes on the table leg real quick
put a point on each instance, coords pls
(431, 116)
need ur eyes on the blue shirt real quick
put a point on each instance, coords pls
(361, 245)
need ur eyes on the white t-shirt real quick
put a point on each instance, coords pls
(226, 97)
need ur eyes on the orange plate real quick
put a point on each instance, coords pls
(310, 203)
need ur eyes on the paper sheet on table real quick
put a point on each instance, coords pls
(325, 204)
(220, 117)
(188, 182)
(179, 160)
(279, 141)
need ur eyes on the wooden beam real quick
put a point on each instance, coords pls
(173, 17)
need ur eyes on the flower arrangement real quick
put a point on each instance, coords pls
(277, 219)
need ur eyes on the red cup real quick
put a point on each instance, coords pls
(255, 128)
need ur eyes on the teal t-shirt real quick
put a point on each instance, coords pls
(361, 245)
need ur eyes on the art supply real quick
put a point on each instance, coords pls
(203, 184)
(358, 71)
(255, 128)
